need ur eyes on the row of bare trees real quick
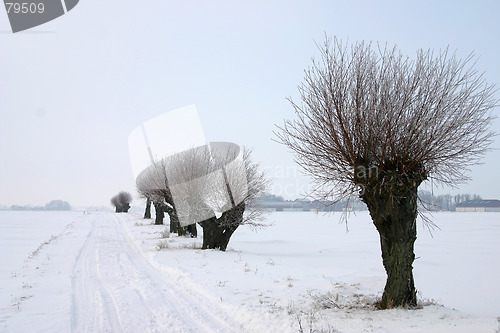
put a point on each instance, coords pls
(214, 186)
(370, 123)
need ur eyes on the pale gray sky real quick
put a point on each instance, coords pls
(73, 89)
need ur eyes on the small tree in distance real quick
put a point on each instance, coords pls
(374, 123)
(122, 201)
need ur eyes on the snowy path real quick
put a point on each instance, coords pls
(116, 288)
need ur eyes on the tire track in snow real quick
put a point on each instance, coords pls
(116, 288)
(93, 307)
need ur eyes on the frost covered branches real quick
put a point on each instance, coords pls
(257, 184)
(214, 185)
(209, 180)
(364, 108)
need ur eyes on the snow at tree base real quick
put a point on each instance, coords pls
(105, 272)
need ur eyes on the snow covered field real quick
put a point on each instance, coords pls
(107, 272)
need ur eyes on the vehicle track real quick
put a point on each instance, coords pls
(117, 288)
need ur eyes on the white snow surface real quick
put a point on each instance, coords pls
(108, 272)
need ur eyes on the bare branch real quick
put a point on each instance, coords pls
(374, 108)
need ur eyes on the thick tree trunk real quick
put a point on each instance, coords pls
(174, 226)
(393, 208)
(174, 220)
(147, 212)
(160, 214)
(181, 231)
(188, 231)
(216, 236)
(122, 208)
(193, 230)
(218, 232)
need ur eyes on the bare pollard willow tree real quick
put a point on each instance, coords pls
(214, 185)
(374, 123)
(218, 186)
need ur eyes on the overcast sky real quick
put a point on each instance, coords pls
(73, 89)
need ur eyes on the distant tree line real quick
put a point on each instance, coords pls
(278, 203)
(444, 202)
(52, 205)
(427, 201)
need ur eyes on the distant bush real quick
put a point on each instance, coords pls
(57, 205)
(52, 205)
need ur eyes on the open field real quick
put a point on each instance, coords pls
(75, 272)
